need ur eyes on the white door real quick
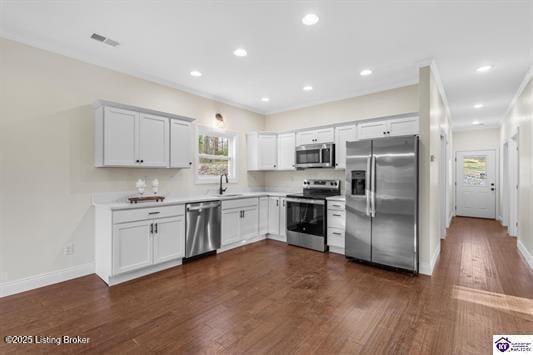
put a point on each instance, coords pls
(286, 151)
(307, 137)
(283, 217)
(180, 144)
(169, 239)
(263, 215)
(476, 184)
(268, 152)
(249, 223)
(273, 215)
(342, 135)
(325, 135)
(231, 221)
(132, 246)
(153, 141)
(403, 126)
(372, 130)
(120, 137)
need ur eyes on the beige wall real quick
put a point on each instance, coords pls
(47, 141)
(385, 103)
(520, 119)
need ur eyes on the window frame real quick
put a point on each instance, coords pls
(233, 156)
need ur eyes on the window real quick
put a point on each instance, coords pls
(216, 154)
(475, 170)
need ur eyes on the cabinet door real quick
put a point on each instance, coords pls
(372, 130)
(169, 239)
(342, 135)
(181, 134)
(120, 137)
(325, 135)
(268, 153)
(153, 141)
(231, 220)
(403, 126)
(263, 215)
(132, 246)
(273, 215)
(249, 223)
(306, 137)
(286, 151)
(283, 217)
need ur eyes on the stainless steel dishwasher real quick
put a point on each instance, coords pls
(203, 228)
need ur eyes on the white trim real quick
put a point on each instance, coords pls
(336, 250)
(233, 153)
(117, 279)
(45, 279)
(427, 269)
(523, 84)
(456, 128)
(440, 86)
(525, 253)
(241, 243)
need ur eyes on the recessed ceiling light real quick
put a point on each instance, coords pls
(479, 105)
(265, 99)
(365, 72)
(307, 88)
(477, 123)
(484, 68)
(310, 19)
(196, 73)
(240, 52)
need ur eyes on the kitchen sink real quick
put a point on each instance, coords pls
(229, 195)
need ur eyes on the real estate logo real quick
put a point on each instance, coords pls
(512, 344)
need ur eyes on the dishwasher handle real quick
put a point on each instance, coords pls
(203, 206)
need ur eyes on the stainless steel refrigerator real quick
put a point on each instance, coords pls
(382, 201)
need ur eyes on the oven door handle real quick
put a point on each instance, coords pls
(305, 200)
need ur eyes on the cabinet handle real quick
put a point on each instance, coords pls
(137, 161)
(277, 203)
(190, 163)
(384, 133)
(151, 228)
(243, 214)
(156, 228)
(388, 132)
(142, 161)
(337, 215)
(283, 203)
(336, 233)
(152, 213)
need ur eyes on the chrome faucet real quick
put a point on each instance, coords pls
(220, 189)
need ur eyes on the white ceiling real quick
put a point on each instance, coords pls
(165, 40)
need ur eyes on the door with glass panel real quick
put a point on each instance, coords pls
(476, 184)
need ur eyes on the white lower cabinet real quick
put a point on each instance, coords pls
(283, 218)
(136, 242)
(273, 215)
(336, 226)
(263, 215)
(240, 220)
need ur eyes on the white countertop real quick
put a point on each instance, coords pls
(340, 198)
(121, 203)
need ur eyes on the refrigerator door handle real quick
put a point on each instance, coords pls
(373, 187)
(368, 187)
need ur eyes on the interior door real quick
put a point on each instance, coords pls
(394, 219)
(181, 135)
(169, 239)
(120, 137)
(286, 151)
(153, 141)
(476, 184)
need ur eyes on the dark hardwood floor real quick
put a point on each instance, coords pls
(272, 298)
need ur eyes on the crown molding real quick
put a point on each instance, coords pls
(521, 88)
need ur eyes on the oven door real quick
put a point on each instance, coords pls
(306, 223)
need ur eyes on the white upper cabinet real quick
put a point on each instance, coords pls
(322, 135)
(403, 126)
(388, 128)
(153, 141)
(343, 134)
(120, 130)
(181, 149)
(286, 151)
(130, 136)
(262, 151)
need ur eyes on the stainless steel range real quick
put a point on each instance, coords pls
(307, 214)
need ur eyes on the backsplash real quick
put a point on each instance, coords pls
(293, 180)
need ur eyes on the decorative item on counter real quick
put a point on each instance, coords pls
(140, 185)
(146, 199)
(155, 186)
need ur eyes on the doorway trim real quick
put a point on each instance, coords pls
(514, 184)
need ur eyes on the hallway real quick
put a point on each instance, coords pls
(269, 297)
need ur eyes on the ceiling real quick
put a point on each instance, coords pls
(165, 40)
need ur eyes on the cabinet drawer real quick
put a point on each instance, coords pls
(139, 214)
(336, 205)
(240, 203)
(336, 219)
(336, 237)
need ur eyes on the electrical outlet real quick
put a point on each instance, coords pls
(69, 249)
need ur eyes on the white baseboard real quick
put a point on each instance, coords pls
(45, 279)
(117, 279)
(241, 243)
(336, 250)
(427, 268)
(525, 253)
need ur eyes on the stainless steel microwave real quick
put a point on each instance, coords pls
(315, 156)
